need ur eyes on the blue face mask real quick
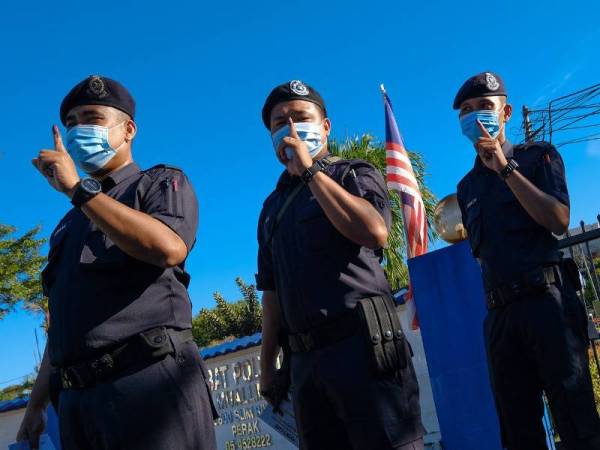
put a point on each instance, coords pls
(489, 119)
(89, 147)
(309, 132)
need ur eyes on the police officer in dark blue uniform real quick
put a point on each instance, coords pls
(512, 202)
(321, 234)
(120, 364)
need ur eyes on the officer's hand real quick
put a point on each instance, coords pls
(489, 150)
(32, 426)
(301, 159)
(57, 166)
(267, 379)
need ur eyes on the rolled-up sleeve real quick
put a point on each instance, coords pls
(171, 199)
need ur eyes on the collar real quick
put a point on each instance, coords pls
(119, 175)
(507, 148)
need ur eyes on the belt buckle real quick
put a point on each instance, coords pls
(70, 378)
(102, 365)
(307, 340)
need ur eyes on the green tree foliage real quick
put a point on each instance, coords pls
(366, 147)
(228, 320)
(18, 390)
(595, 375)
(588, 293)
(20, 265)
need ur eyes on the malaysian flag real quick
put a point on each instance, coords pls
(401, 178)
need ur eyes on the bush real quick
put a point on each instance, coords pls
(228, 320)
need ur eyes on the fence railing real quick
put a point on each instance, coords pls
(583, 246)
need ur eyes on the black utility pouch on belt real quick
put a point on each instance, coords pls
(385, 340)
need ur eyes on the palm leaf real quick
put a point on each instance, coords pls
(368, 148)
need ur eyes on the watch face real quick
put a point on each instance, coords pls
(91, 185)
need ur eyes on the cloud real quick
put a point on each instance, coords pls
(593, 149)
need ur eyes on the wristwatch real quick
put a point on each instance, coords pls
(309, 173)
(88, 188)
(508, 169)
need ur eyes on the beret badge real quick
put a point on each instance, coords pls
(491, 82)
(96, 87)
(298, 87)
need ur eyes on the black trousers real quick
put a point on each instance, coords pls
(536, 345)
(340, 404)
(164, 405)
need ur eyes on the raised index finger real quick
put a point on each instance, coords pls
(293, 132)
(58, 142)
(484, 132)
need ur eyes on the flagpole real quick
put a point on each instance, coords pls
(382, 87)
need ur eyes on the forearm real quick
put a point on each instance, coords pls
(354, 217)
(136, 233)
(546, 210)
(40, 393)
(271, 327)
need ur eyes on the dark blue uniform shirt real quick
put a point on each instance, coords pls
(503, 236)
(98, 295)
(317, 272)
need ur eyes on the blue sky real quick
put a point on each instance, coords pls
(200, 73)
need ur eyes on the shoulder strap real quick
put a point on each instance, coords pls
(282, 210)
(329, 159)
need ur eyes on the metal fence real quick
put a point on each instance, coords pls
(583, 245)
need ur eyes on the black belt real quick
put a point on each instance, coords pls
(149, 346)
(532, 282)
(326, 334)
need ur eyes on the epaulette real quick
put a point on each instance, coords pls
(542, 145)
(159, 169)
(163, 166)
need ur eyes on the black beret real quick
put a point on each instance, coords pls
(97, 90)
(292, 90)
(484, 84)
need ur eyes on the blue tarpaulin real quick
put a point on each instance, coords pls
(449, 297)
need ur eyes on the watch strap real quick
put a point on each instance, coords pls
(82, 196)
(309, 173)
(510, 167)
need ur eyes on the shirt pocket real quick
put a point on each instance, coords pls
(473, 225)
(100, 253)
(513, 215)
(315, 231)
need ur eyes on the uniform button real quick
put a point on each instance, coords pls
(399, 334)
(158, 339)
(181, 359)
(388, 334)
(375, 338)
